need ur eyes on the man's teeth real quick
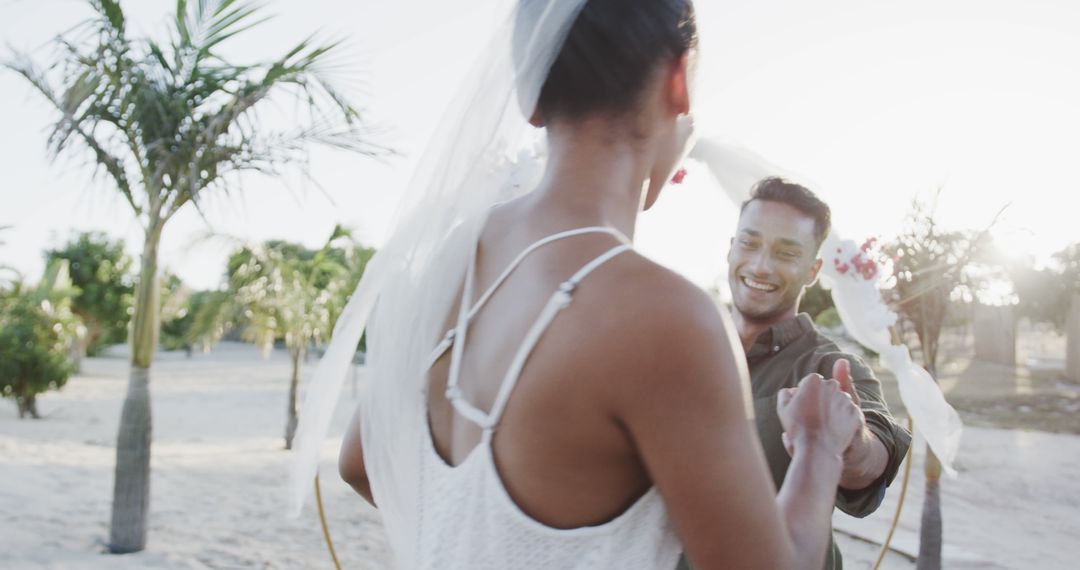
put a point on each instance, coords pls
(758, 286)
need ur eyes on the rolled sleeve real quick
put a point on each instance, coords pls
(862, 502)
(896, 439)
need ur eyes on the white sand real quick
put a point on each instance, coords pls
(1015, 504)
(219, 472)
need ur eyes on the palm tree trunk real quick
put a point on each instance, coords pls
(290, 423)
(131, 490)
(931, 535)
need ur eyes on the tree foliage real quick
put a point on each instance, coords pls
(37, 332)
(176, 317)
(8, 275)
(816, 301)
(1043, 294)
(284, 292)
(101, 274)
(1068, 260)
(933, 269)
(167, 122)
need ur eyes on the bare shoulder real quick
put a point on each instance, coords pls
(667, 308)
(654, 329)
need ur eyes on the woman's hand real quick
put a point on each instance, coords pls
(818, 413)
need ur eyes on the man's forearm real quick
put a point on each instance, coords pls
(864, 461)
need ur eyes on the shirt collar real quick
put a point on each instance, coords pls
(777, 337)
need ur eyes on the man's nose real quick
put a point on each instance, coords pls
(761, 264)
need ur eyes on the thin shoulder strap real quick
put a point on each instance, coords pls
(448, 340)
(559, 301)
(456, 338)
(537, 245)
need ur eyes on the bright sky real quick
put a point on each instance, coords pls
(875, 102)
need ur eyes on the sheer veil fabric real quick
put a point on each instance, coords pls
(483, 152)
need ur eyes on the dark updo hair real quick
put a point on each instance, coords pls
(609, 53)
(776, 189)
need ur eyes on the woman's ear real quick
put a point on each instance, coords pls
(679, 84)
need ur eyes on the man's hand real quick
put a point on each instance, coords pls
(818, 413)
(841, 371)
(842, 374)
(865, 458)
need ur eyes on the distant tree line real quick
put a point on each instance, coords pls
(275, 293)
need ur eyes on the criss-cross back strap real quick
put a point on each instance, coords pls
(558, 301)
(448, 340)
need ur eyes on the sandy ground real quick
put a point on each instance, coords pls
(219, 474)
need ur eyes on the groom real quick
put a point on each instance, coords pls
(774, 257)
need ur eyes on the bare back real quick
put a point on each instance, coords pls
(560, 454)
(563, 449)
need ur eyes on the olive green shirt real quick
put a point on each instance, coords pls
(779, 358)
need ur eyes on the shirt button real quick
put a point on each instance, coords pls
(776, 348)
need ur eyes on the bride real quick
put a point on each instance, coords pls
(541, 395)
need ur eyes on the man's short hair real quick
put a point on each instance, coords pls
(776, 189)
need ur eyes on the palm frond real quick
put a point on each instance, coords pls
(169, 121)
(111, 14)
(73, 122)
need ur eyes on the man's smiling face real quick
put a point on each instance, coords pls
(773, 258)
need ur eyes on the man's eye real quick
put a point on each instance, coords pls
(747, 244)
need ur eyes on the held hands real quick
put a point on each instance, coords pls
(821, 412)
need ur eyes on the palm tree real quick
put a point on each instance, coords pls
(168, 123)
(287, 292)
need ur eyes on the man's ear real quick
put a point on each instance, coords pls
(815, 271)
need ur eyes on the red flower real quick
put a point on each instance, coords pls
(680, 174)
(869, 271)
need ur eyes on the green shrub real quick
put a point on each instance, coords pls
(828, 318)
(35, 339)
(102, 273)
(815, 301)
